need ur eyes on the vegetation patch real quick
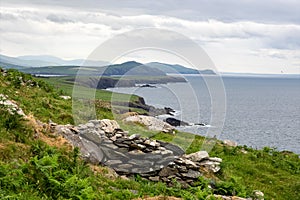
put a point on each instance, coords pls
(35, 164)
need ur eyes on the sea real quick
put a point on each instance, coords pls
(256, 111)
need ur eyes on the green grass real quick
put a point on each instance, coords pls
(31, 169)
(64, 84)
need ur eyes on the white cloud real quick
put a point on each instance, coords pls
(73, 33)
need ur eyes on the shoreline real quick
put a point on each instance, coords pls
(184, 128)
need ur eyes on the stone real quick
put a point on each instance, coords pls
(136, 152)
(155, 178)
(215, 159)
(114, 154)
(258, 195)
(165, 179)
(153, 143)
(123, 168)
(109, 125)
(92, 136)
(191, 174)
(197, 156)
(176, 122)
(243, 151)
(113, 138)
(90, 125)
(162, 148)
(134, 136)
(169, 110)
(122, 145)
(140, 146)
(96, 154)
(177, 151)
(112, 162)
(165, 152)
(74, 130)
(167, 171)
(65, 97)
(124, 178)
(210, 165)
(230, 143)
(182, 169)
(82, 127)
(151, 123)
(186, 162)
(141, 163)
(11, 106)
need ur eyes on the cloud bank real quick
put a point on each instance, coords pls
(235, 42)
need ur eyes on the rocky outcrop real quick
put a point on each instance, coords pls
(103, 142)
(169, 111)
(147, 86)
(176, 122)
(10, 105)
(151, 123)
(230, 143)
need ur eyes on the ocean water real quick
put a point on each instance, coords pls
(260, 111)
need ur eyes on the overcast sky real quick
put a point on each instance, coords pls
(240, 36)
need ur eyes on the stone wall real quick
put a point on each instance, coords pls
(103, 142)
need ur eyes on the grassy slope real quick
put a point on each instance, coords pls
(31, 169)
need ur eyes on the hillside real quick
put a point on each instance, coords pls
(53, 65)
(128, 68)
(37, 163)
(177, 69)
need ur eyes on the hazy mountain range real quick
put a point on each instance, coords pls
(46, 60)
(53, 65)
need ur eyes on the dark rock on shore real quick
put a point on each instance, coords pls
(200, 124)
(140, 104)
(169, 111)
(147, 86)
(176, 122)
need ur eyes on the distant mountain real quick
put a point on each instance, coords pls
(45, 60)
(127, 68)
(177, 69)
(133, 68)
(44, 64)
(19, 61)
(55, 61)
(9, 66)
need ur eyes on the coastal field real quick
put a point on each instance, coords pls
(36, 164)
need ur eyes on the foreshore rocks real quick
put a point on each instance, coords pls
(176, 122)
(103, 142)
(151, 123)
(230, 143)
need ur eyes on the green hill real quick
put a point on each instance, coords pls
(177, 69)
(128, 68)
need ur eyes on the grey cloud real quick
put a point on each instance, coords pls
(58, 19)
(271, 11)
(7, 16)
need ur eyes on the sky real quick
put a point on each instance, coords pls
(239, 36)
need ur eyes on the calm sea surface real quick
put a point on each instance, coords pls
(260, 111)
